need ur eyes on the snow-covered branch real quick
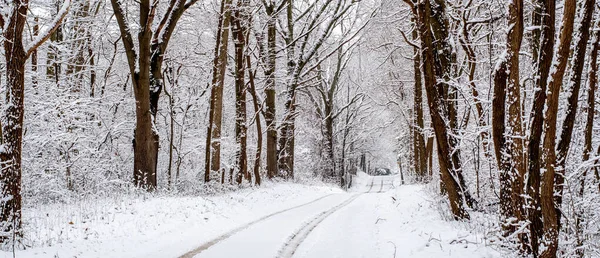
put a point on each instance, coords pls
(45, 35)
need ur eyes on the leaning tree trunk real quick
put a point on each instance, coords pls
(589, 127)
(257, 110)
(549, 213)
(546, 20)
(438, 111)
(574, 85)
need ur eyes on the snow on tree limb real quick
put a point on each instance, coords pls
(125, 34)
(45, 35)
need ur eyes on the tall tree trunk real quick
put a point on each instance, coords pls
(216, 107)
(287, 139)
(215, 72)
(589, 127)
(145, 66)
(514, 128)
(508, 141)
(420, 158)
(258, 111)
(12, 124)
(546, 20)
(11, 120)
(549, 214)
(444, 58)
(438, 112)
(239, 21)
(270, 113)
(508, 137)
(574, 85)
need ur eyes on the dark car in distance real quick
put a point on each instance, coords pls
(381, 172)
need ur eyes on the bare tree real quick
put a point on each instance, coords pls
(545, 18)
(437, 108)
(16, 55)
(574, 85)
(549, 213)
(239, 31)
(145, 66)
(508, 142)
(213, 134)
(589, 126)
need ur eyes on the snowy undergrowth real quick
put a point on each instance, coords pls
(140, 224)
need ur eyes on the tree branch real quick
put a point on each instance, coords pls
(125, 34)
(411, 4)
(45, 35)
(409, 42)
(189, 4)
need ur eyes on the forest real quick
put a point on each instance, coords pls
(490, 104)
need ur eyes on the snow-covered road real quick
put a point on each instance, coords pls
(378, 218)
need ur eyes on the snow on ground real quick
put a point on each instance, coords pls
(398, 222)
(155, 227)
(377, 218)
(411, 227)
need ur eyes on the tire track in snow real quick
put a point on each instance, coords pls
(297, 238)
(371, 187)
(215, 241)
(381, 187)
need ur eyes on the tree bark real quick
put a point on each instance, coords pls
(545, 19)
(258, 111)
(145, 66)
(34, 55)
(270, 113)
(438, 112)
(508, 137)
(239, 21)
(514, 129)
(420, 157)
(574, 84)
(287, 139)
(549, 214)
(215, 71)
(11, 120)
(213, 164)
(589, 127)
